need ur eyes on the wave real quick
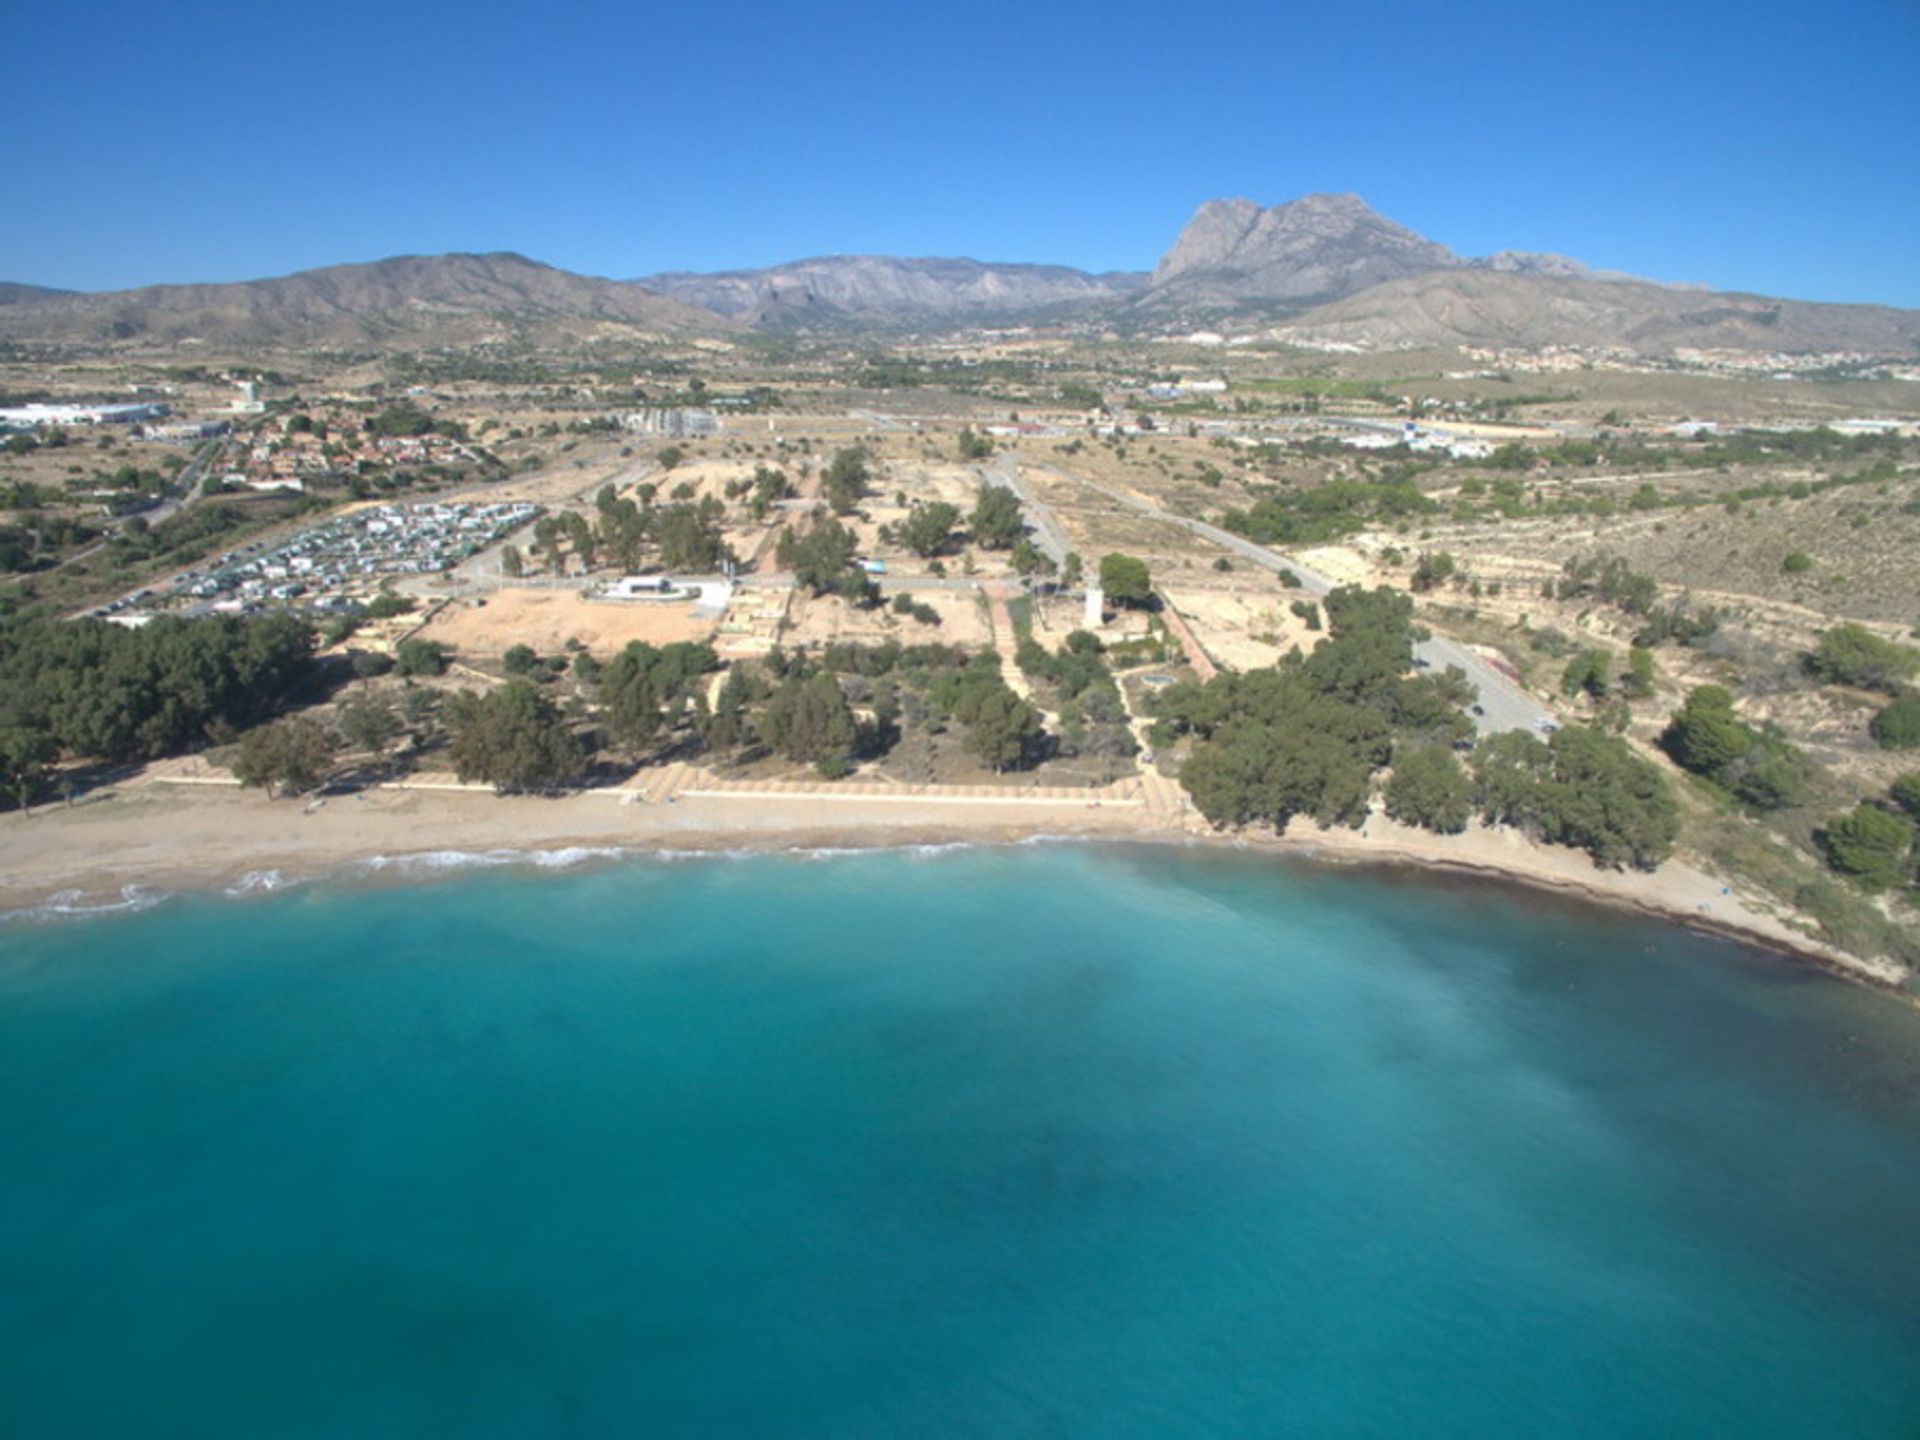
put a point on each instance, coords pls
(79, 905)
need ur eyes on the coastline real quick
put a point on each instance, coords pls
(140, 842)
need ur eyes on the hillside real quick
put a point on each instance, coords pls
(434, 299)
(884, 289)
(1496, 308)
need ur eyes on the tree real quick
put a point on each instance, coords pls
(928, 528)
(514, 739)
(1590, 673)
(1637, 683)
(809, 720)
(1125, 580)
(996, 521)
(286, 757)
(512, 564)
(25, 753)
(519, 659)
(1434, 568)
(631, 696)
(1870, 845)
(1071, 571)
(1029, 559)
(822, 558)
(1704, 735)
(1854, 655)
(1897, 727)
(1906, 793)
(416, 657)
(1002, 729)
(671, 456)
(369, 722)
(845, 480)
(690, 537)
(974, 446)
(1429, 789)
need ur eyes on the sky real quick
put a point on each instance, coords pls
(1766, 146)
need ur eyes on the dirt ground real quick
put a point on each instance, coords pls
(820, 619)
(1244, 630)
(547, 619)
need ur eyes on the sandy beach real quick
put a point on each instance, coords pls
(144, 837)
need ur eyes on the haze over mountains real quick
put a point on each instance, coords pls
(1324, 269)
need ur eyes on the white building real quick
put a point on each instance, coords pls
(26, 417)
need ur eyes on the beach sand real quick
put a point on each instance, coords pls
(143, 837)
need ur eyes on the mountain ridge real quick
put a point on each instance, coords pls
(1324, 268)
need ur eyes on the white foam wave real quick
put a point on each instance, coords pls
(79, 905)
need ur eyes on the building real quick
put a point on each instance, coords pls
(31, 417)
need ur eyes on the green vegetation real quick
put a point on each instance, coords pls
(513, 739)
(105, 691)
(1327, 512)
(845, 480)
(1854, 655)
(1871, 846)
(1582, 788)
(1897, 726)
(973, 445)
(1759, 767)
(809, 721)
(1306, 736)
(1125, 580)
(996, 522)
(822, 559)
(928, 529)
(1428, 788)
(415, 657)
(288, 757)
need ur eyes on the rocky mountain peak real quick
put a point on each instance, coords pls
(1317, 247)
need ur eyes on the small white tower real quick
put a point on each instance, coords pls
(1096, 615)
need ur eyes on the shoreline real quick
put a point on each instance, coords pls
(142, 843)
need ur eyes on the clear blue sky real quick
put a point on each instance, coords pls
(1766, 146)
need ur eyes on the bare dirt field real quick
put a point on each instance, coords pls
(1243, 630)
(547, 619)
(822, 619)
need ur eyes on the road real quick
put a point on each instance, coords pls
(1004, 470)
(1504, 704)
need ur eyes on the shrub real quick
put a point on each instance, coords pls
(1897, 727)
(1798, 563)
(1870, 845)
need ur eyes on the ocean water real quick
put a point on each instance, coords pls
(1026, 1141)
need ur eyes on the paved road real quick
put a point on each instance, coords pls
(1505, 705)
(1004, 471)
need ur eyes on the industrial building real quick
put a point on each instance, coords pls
(32, 417)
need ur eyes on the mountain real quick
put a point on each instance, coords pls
(1316, 248)
(12, 294)
(1527, 310)
(883, 289)
(408, 300)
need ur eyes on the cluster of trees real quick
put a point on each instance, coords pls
(1759, 766)
(643, 689)
(1327, 512)
(1307, 736)
(514, 739)
(105, 691)
(996, 521)
(1093, 715)
(1581, 787)
(973, 445)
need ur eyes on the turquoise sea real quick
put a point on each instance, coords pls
(1026, 1141)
